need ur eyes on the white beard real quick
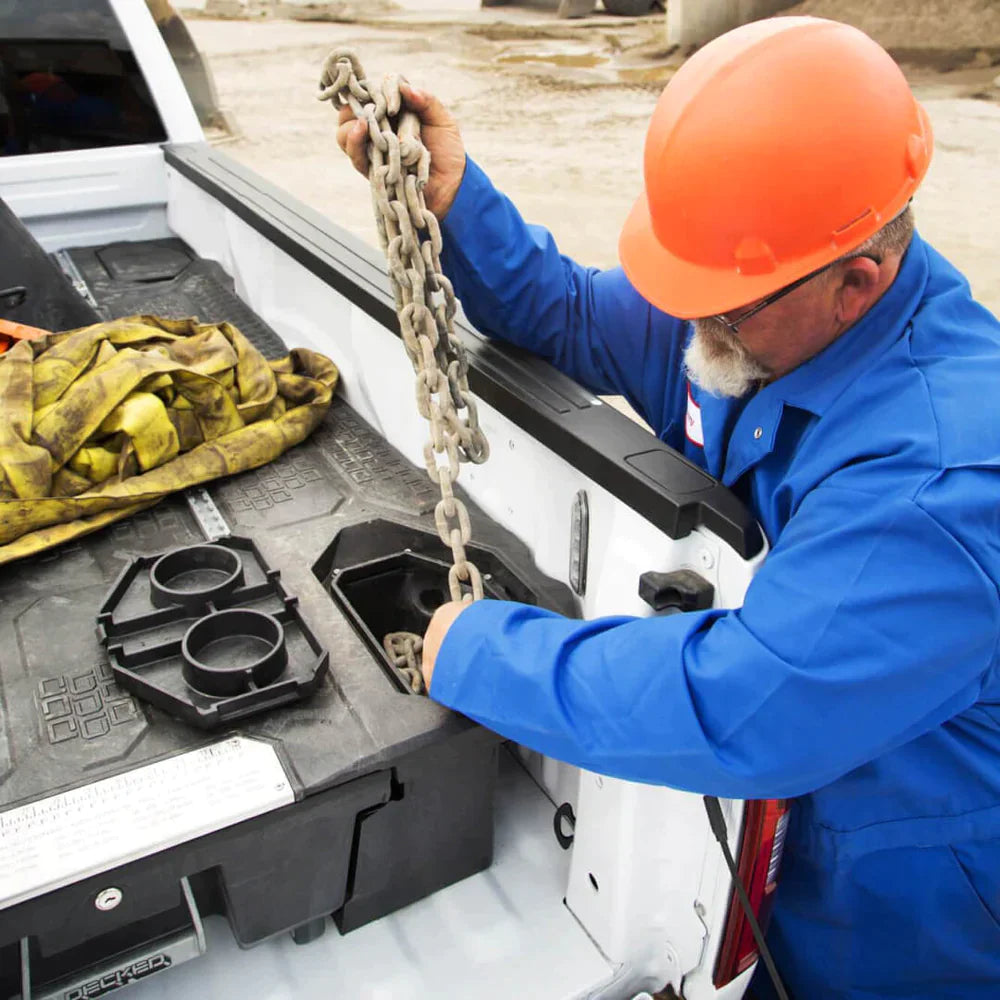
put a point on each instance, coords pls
(717, 361)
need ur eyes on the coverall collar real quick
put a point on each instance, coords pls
(815, 385)
(739, 434)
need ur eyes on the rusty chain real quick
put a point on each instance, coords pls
(399, 166)
(403, 648)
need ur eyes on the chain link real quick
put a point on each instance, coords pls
(403, 648)
(399, 166)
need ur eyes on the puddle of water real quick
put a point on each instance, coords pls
(585, 60)
(645, 74)
(604, 65)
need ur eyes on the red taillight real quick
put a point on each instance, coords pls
(764, 826)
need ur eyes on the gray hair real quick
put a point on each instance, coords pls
(893, 237)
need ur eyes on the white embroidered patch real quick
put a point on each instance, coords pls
(692, 422)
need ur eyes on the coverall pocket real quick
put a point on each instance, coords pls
(979, 863)
(918, 928)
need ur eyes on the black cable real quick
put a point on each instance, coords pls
(718, 824)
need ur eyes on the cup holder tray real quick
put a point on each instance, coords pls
(208, 633)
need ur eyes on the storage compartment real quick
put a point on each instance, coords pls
(436, 830)
(438, 827)
(282, 871)
(387, 577)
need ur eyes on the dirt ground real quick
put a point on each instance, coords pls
(928, 25)
(556, 112)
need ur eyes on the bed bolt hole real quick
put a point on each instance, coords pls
(593, 881)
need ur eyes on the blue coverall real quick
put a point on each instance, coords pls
(860, 675)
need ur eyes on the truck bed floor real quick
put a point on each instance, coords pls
(166, 278)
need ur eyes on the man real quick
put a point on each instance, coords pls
(838, 376)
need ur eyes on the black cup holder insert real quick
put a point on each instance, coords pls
(232, 651)
(193, 575)
(209, 634)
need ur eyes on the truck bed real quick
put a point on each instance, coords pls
(377, 775)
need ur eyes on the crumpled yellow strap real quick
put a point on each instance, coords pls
(143, 418)
(25, 469)
(98, 423)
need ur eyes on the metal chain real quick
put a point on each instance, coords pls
(399, 165)
(403, 648)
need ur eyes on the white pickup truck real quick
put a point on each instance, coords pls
(137, 831)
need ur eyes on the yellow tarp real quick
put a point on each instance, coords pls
(99, 423)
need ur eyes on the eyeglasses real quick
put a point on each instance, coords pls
(734, 325)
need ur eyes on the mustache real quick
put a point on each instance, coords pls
(719, 362)
(718, 339)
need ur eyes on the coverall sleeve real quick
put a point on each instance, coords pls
(868, 625)
(591, 324)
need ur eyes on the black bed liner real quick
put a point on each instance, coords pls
(166, 278)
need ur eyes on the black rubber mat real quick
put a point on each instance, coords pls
(166, 278)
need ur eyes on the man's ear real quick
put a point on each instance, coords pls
(858, 289)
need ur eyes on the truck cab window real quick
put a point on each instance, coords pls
(69, 80)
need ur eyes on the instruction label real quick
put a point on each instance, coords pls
(61, 839)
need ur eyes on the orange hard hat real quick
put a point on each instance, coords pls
(777, 148)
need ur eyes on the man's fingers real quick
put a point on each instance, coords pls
(437, 629)
(351, 139)
(415, 98)
(356, 146)
(345, 114)
(344, 136)
(431, 110)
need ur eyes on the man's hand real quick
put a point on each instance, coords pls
(443, 619)
(438, 132)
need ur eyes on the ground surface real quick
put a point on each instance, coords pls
(556, 111)
(931, 25)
